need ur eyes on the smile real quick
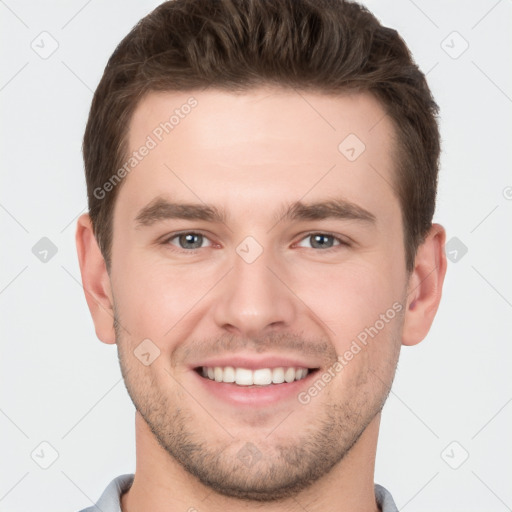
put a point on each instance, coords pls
(249, 377)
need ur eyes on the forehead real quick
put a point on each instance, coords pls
(267, 145)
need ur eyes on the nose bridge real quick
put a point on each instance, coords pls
(252, 298)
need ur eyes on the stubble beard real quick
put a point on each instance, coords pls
(278, 468)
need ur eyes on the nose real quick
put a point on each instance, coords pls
(253, 299)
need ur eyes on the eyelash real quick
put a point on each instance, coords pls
(342, 242)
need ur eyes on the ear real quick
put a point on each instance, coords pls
(425, 286)
(95, 280)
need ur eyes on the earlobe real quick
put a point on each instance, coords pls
(425, 286)
(95, 280)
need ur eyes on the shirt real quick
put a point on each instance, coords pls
(110, 500)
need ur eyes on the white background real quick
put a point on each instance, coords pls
(61, 385)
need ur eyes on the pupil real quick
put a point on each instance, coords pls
(191, 241)
(322, 241)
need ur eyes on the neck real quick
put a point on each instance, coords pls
(162, 485)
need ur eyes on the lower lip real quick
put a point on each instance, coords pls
(255, 395)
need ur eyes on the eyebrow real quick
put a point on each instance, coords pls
(161, 209)
(334, 208)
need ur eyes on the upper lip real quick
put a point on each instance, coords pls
(253, 363)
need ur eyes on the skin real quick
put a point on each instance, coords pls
(273, 147)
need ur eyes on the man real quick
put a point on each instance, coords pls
(259, 244)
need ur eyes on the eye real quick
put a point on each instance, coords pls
(322, 241)
(188, 240)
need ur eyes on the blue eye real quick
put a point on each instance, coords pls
(188, 240)
(322, 241)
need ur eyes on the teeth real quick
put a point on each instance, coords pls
(278, 375)
(229, 374)
(262, 377)
(259, 377)
(290, 374)
(243, 376)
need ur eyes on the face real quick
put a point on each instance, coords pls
(261, 233)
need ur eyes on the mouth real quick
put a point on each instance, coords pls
(248, 380)
(254, 378)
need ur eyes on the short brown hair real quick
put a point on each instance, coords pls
(327, 46)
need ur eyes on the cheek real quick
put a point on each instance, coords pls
(154, 298)
(361, 306)
(351, 298)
